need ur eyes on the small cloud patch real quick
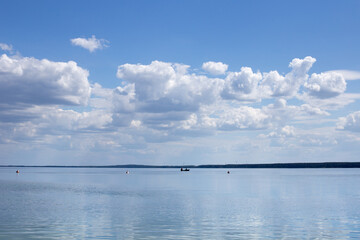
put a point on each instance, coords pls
(215, 68)
(6, 47)
(90, 44)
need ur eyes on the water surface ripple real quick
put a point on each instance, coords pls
(72, 203)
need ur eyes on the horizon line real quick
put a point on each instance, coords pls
(232, 165)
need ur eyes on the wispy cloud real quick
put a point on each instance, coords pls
(90, 44)
(6, 47)
(348, 74)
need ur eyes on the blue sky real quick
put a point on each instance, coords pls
(179, 82)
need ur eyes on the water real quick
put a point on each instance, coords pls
(70, 203)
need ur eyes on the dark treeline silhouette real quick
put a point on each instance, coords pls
(260, 165)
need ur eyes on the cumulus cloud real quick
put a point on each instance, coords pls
(242, 85)
(123, 99)
(164, 87)
(351, 122)
(282, 114)
(6, 47)
(288, 85)
(227, 118)
(90, 44)
(135, 123)
(29, 81)
(326, 85)
(286, 131)
(70, 120)
(310, 110)
(243, 118)
(31, 94)
(151, 81)
(215, 68)
(189, 123)
(165, 96)
(159, 102)
(272, 84)
(249, 86)
(37, 123)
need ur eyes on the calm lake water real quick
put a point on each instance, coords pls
(74, 203)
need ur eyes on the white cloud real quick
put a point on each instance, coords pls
(351, 122)
(313, 141)
(161, 103)
(164, 87)
(135, 123)
(242, 85)
(280, 107)
(90, 44)
(273, 84)
(288, 86)
(243, 118)
(282, 114)
(6, 47)
(284, 132)
(47, 123)
(189, 123)
(288, 130)
(249, 86)
(151, 81)
(347, 74)
(165, 96)
(334, 103)
(280, 103)
(308, 142)
(64, 120)
(29, 81)
(300, 67)
(326, 85)
(313, 111)
(31, 93)
(123, 99)
(215, 68)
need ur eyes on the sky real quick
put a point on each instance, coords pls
(179, 82)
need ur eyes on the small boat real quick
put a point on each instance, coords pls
(184, 169)
(127, 172)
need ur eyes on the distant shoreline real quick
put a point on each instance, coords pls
(259, 165)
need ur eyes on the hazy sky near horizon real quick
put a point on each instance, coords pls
(179, 82)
